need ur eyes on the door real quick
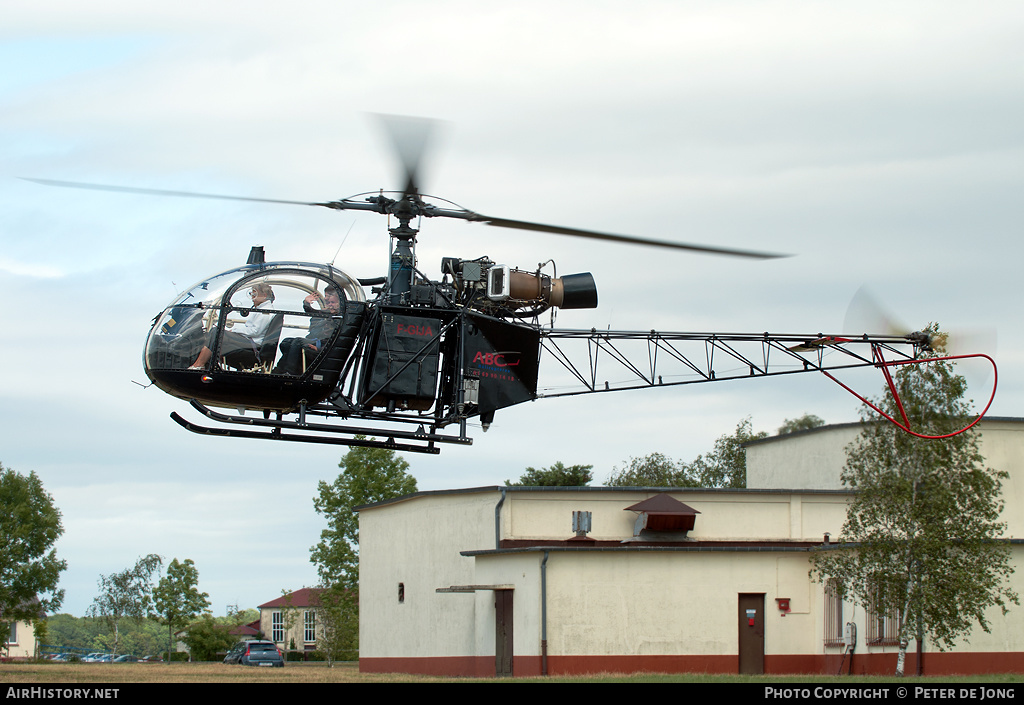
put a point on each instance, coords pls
(751, 641)
(503, 633)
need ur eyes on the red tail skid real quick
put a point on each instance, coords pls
(884, 365)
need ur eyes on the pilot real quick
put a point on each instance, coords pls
(320, 331)
(241, 345)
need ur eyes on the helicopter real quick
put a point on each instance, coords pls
(317, 360)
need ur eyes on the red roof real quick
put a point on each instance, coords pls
(662, 504)
(306, 597)
(250, 629)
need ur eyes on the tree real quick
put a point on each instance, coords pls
(207, 637)
(921, 540)
(557, 475)
(368, 475)
(176, 598)
(337, 625)
(804, 423)
(29, 568)
(725, 466)
(125, 595)
(654, 470)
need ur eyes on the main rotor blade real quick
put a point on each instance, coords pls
(162, 192)
(628, 239)
(409, 137)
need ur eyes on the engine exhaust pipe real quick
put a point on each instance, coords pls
(570, 291)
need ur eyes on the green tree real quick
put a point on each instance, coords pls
(125, 595)
(558, 475)
(176, 598)
(654, 470)
(725, 466)
(29, 568)
(368, 475)
(207, 637)
(337, 625)
(804, 423)
(921, 536)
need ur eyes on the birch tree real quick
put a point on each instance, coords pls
(125, 595)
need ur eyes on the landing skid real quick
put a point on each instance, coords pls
(418, 441)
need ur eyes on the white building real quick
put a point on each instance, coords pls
(21, 641)
(493, 579)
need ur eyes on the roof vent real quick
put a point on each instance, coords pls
(663, 518)
(581, 525)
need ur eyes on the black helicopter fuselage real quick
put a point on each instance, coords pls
(446, 353)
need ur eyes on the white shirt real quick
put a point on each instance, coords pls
(256, 325)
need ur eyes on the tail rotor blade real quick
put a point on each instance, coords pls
(866, 315)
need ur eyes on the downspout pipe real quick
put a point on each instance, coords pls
(497, 520)
(544, 615)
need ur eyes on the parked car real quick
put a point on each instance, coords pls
(255, 653)
(235, 652)
(126, 658)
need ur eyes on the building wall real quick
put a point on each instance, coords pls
(1002, 444)
(417, 543)
(23, 645)
(811, 460)
(725, 515)
(621, 607)
(293, 623)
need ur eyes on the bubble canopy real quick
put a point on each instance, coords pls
(265, 336)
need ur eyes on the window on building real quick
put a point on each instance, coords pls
(276, 627)
(12, 638)
(833, 614)
(309, 626)
(882, 628)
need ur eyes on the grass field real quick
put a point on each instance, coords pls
(85, 673)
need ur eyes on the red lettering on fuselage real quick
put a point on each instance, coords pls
(496, 359)
(413, 329)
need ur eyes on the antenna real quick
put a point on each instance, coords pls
(342, 242)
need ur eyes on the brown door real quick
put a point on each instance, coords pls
(751, 618)
(503, 632)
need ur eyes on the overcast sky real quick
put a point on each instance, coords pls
(879, 142)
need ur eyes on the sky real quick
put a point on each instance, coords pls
(880, 143)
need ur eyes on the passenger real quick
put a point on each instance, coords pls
(240, 345)
(320, 331)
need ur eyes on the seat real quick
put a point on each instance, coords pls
(261, 360)
(268, 350)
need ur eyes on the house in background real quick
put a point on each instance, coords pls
(544, 580)
(21, 641)
(290, 620)
(247, 632)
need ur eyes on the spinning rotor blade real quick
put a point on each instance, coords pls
(866, 315)
(628, 239)
(162, 192)
(409, 137)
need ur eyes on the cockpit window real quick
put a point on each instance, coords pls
(269, 320)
